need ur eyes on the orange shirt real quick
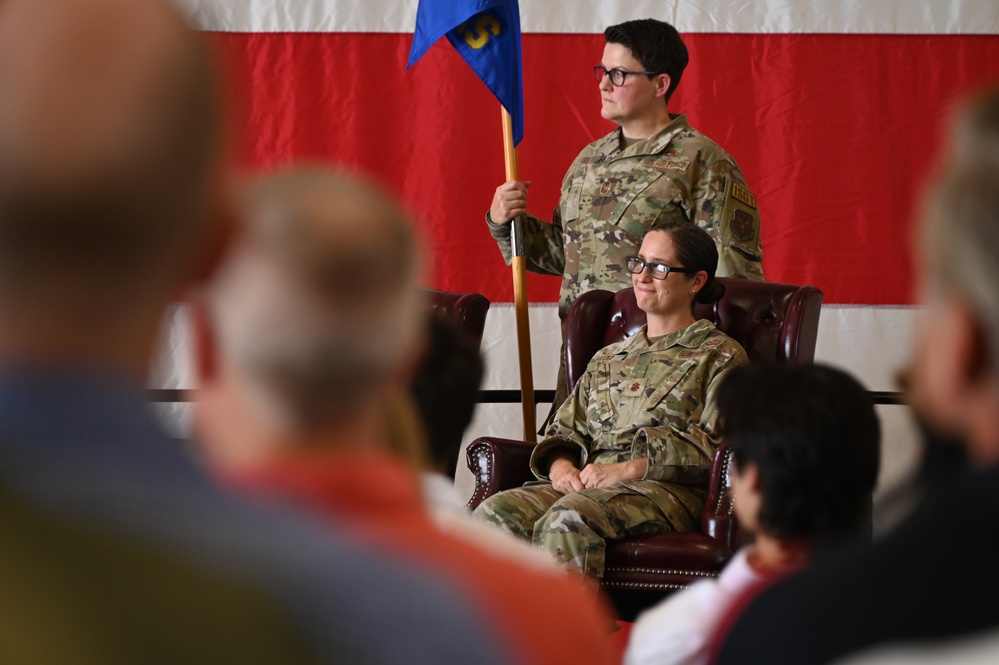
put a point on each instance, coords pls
(549, 618)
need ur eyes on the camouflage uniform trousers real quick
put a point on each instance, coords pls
(574, 527)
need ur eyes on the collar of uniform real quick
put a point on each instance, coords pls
(690, 337)
(610, 145)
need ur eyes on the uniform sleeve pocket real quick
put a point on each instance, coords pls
(571, 210)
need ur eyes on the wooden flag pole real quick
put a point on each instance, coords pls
(518, 267)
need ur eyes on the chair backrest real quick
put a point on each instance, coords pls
(774, 323)
(465, 311)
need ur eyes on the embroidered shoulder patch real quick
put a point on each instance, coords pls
(740, 193)
(742, 225)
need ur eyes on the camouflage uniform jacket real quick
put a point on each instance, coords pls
(612, 196)
(654, 401)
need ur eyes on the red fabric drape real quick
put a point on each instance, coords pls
(835, 133)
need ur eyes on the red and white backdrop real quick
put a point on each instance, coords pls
(835, 111)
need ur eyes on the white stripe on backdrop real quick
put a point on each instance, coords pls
(871, 342)
(942, 17)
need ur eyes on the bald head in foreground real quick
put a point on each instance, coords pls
(932, 579)
(110, 201)
(306, 345)
(317, 314)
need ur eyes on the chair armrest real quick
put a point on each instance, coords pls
(497, 464)
(718, 519)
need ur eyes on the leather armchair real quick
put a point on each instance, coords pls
(775, 323)
(466, 312)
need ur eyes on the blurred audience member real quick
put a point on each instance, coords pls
(73, 594)
(309, 337)
(805, 446)
(445, 392)
(110, 177)
(932, 578)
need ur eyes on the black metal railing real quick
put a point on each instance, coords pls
(178, 396)
(546, 396)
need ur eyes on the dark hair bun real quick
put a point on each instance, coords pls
(713, 291)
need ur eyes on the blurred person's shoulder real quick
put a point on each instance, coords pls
(73, 593)
(906, 585)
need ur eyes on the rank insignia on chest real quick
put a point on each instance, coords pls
(634, 388)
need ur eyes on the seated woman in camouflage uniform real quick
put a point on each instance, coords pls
(630, 451)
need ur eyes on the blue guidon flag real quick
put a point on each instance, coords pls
(486, 33)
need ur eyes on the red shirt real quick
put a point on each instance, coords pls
(550, 618)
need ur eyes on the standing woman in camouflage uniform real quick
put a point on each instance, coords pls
(654, 167)
(630, 451)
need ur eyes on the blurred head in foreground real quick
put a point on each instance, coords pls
(955, 374)
(445, 391)
(314, 321)
(806, 450)
(109, 153)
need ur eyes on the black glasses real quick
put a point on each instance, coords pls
(636, 266)
(616, 75)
